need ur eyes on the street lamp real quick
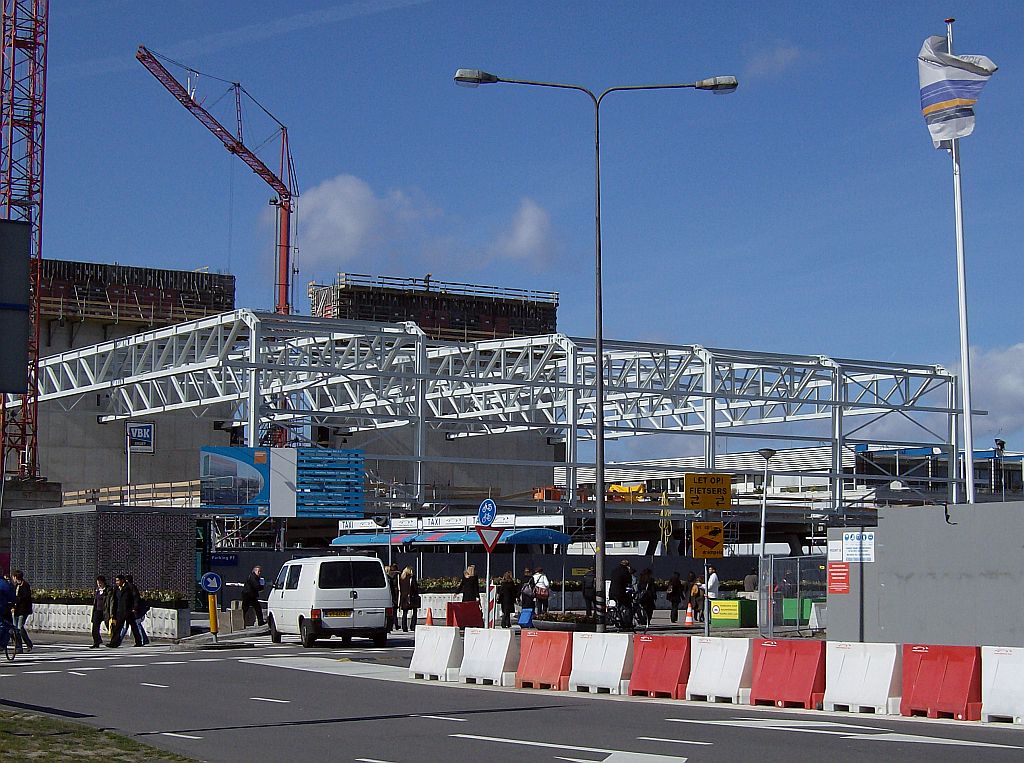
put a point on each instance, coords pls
(767, 454)
(720, 85)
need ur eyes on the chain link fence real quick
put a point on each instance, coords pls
(788, 586)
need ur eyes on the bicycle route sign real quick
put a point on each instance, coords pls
(487, 512)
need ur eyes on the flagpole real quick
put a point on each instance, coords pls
(961, 277)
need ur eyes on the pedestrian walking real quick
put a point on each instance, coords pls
(697, 598)
(646, 595)
(6, 608)
(22, 611)
(750, 580)
(408, 598)
(393, 575)
(542, 590)
(140, 607)
(124, 606)
(102, 609)
(508, 592)
(469, 586)
(251, 595)
(674, 594)
(526, 590)
(590, 593)
(621, 590)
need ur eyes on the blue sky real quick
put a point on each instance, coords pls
(806, 213)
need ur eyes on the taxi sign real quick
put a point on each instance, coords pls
(708, 540)
(707, 491)
(211, 582)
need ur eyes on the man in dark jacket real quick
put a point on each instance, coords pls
(589, 592)
(102, 609)
(621, 591)
(251, 594)
(22, 610)
(124, 608)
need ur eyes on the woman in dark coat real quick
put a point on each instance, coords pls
(469, 586)
(508, 592)
(408, 597)
(22, 609)
(646, 595)
(674, 594)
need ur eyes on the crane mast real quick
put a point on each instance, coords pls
(233, 142)
(22, 130)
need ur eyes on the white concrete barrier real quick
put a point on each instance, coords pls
(77, 618)
(1002, 684)
(721, 669)
(438, 653)
(863, 678)
(490, 656)
(601, 662)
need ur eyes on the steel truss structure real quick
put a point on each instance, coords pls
(275, 370)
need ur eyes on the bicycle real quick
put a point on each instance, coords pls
(6, 631)
(627, 618)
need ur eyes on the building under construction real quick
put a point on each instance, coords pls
(445, 310)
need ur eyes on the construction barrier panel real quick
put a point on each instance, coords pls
(1002, 684)
(436, 604)
(720, 669)
(863, 678)
(438, 653)
(661, 666)
(464, 614)
(788, 673)
(601, 662)
(490, 656)
(942, 681)
(545, 660)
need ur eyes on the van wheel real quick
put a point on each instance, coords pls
(380, 639)
(306, 634)
(275, 634)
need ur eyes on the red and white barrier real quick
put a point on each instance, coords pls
(1002, 684)
(788, 673)
(721, 669)
(601, 662)
(661, 666)
(942, 681)
(863, 678)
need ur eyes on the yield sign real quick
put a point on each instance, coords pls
(489, 536)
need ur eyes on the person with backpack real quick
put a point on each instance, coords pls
(527, 596)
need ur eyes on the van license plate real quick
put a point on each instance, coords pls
(338, 613)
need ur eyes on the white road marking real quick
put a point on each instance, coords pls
(39, 672)
(894, 737)
(208, 659)
(76, 673)
(104, 667)
(170, 662)
(674, 741)
(373, 760)
(156, 686)
(441, 718)
(269, 699)
(179, 736)
(614, 756)
(129, 665)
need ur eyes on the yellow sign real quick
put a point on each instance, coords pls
(578, 572)
(708, 540)
(725, 609)
(707, 491)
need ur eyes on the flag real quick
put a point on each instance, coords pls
(949, 89)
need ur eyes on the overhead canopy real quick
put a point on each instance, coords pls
(524, 537)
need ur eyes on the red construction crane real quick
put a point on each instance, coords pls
(286, 191)
(22, 123)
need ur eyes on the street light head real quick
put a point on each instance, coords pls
(720, 85)
(766, 453)
(473, 78)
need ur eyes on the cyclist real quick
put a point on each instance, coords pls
(7, 598)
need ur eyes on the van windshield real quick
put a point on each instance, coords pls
(355, 574)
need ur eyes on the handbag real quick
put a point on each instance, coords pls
(541, 592)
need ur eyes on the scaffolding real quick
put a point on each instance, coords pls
(444, 310)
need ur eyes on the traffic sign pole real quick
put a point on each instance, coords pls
(707, 600)
(212, 601)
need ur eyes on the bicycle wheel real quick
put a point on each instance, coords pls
(9, 650)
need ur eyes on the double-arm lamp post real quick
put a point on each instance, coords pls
(475, 77)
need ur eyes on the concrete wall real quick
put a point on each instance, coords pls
(957, 581)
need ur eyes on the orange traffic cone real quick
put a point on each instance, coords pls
(430, 617)
(689, 615)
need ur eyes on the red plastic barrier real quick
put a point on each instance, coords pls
(942, 681)
(464, 614)
(661, 666)
(545, 660)
(788, 673)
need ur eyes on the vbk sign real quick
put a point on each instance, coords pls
(140, 437)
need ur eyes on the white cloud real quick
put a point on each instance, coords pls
(528, 237)
(997, 385)
(773, 61)
(343, 219)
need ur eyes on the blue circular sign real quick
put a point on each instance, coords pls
(211, 582)
(488, 511)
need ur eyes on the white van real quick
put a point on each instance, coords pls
(325, 596)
